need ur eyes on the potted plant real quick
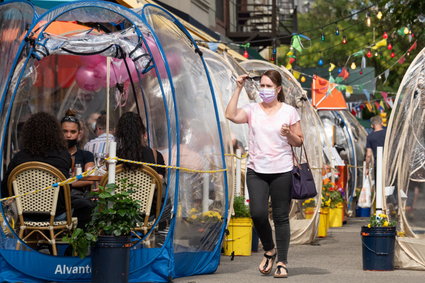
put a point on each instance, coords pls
(207, 224)
(239, 239)
(108, 233)
(324, 211)
(378, 239)
(308, 206)
(336, 211)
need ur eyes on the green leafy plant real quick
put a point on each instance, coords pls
(380, 220)
(240, 208)
(115, 214)
(326, 196)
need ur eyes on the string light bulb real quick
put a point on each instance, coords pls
(406, 30)
(353, 66)
(344, 40)
(369, 54)
(320, 62)
(379, 15)
(368, 20)
(392, 55)
(245, 54)
(385, 35)
(389, 46)
(322, 37)
(303, 79)
(376, 54)
(336, 30)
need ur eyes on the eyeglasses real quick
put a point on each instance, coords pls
(254, 78)
(72, 119)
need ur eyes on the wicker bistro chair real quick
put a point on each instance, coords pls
(145, 181)
(34, 175)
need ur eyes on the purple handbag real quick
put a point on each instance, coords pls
(303, 186)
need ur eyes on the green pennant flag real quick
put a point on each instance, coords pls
(296, 43)
(341, 87)
(358, 53)
(339, 79)
(331, 79)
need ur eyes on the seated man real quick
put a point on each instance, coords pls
(98, 145)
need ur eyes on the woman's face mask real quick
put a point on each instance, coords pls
(268, 95)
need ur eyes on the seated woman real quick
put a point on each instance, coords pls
(80, 201)
(42, 141)
(131, 138)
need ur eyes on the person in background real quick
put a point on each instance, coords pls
(274, 127)
(374, 140)
(42, 141)
(98, 145)
(81, 202)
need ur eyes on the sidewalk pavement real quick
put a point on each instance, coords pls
(336, 258)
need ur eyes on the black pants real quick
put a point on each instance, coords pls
(278, 187)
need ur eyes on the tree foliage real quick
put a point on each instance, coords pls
(325, 16)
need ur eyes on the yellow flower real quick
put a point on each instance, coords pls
(368, 225)
(385, 224)
(193, 216)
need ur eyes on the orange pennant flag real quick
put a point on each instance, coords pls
(325, 96)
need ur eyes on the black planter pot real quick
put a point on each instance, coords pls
(111, 259)
(378, 248)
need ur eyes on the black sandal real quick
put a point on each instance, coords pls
(278, 273)
(269, 262)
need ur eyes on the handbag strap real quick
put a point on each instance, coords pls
(294, 156)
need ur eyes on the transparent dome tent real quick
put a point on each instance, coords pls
(349, 137)
(404, 167)
(59, 59)
(303, 230)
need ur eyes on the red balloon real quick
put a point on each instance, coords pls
(86, 79)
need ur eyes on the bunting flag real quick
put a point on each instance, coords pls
(390, 102)
(296, 43)
(379, 44)
(367, 93)
(386, 74)
(363, 65)
(344, 73)
(325, 95)
(359, 53)
(296, 74)
(401, 60)
(414, 45)
(381, 103)
(369, 106)
(349, 89)
(213, 46)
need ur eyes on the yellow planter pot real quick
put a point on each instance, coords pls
(308, 212)
(323, 223)
(239, 239)
(336, 216)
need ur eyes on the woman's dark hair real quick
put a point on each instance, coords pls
(129, 135)
(71, 116)
(276, 78)
(41, 134)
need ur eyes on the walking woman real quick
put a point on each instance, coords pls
(274, 127)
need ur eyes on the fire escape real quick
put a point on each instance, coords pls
(262, 23)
